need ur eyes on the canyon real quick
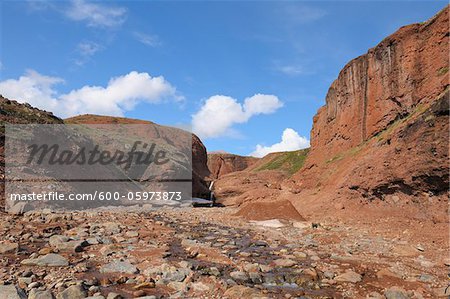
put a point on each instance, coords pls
(362, 213)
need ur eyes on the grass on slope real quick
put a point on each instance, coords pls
(291, 162)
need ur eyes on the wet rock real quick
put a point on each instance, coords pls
(37, 294)
(11, 292)
(119, 267)
(396, 293)
(48, 260)
(73, 292)
(8, 247)
(349, 276)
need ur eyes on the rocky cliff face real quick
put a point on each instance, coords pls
(199, 157)
(384, 128)
(15, 113)
(222, 164)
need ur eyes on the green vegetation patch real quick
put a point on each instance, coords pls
(442, 71)
(291, 162)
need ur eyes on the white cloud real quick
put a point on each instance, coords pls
(219, 113)
(148, 40)
(86, 50)
(291, 70)
(121, 94)
(37, 89)
(95, 14)
(290, 141)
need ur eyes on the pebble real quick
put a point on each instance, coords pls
(8, 247)
(11, 292)
(349, 276)
(73, 292)
(285, 262)
(396, 293)
(48, 260)
(38, 294)
(119, 267)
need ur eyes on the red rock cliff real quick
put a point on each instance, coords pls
(222, 164)
(405, 70)
(384, 128)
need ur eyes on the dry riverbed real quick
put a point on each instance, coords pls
(206, 253)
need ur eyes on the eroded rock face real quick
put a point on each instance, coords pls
(407, 69)
(384, 128)
(222, 164)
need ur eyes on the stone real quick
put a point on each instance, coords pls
(349, 276)
(177, 286)
(131, 234)
(113, 296)
(200, 287)
(8, 247)
(239, 291)
(37, 294)
(11, 292)
(73, 292)
(48, 260)
(375, 295)
(396, 293)
(119, 267)
(239, 276)
(405, 250)
(387, 273)
(273, 223)
(285, 262)
(63, 243)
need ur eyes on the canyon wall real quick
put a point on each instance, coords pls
(384, 128)
(221, 164)
(407, 69)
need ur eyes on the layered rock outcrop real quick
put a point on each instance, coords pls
(407, 69)
(220, 164)
(384, 128)
(199, 156)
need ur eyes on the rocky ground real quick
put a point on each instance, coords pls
(206, 253)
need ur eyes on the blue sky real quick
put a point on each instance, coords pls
(244, 73)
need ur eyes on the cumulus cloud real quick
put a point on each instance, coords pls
(219, 113)
(121, 94)
(290, 141)
(148, 40)
(95, 14)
